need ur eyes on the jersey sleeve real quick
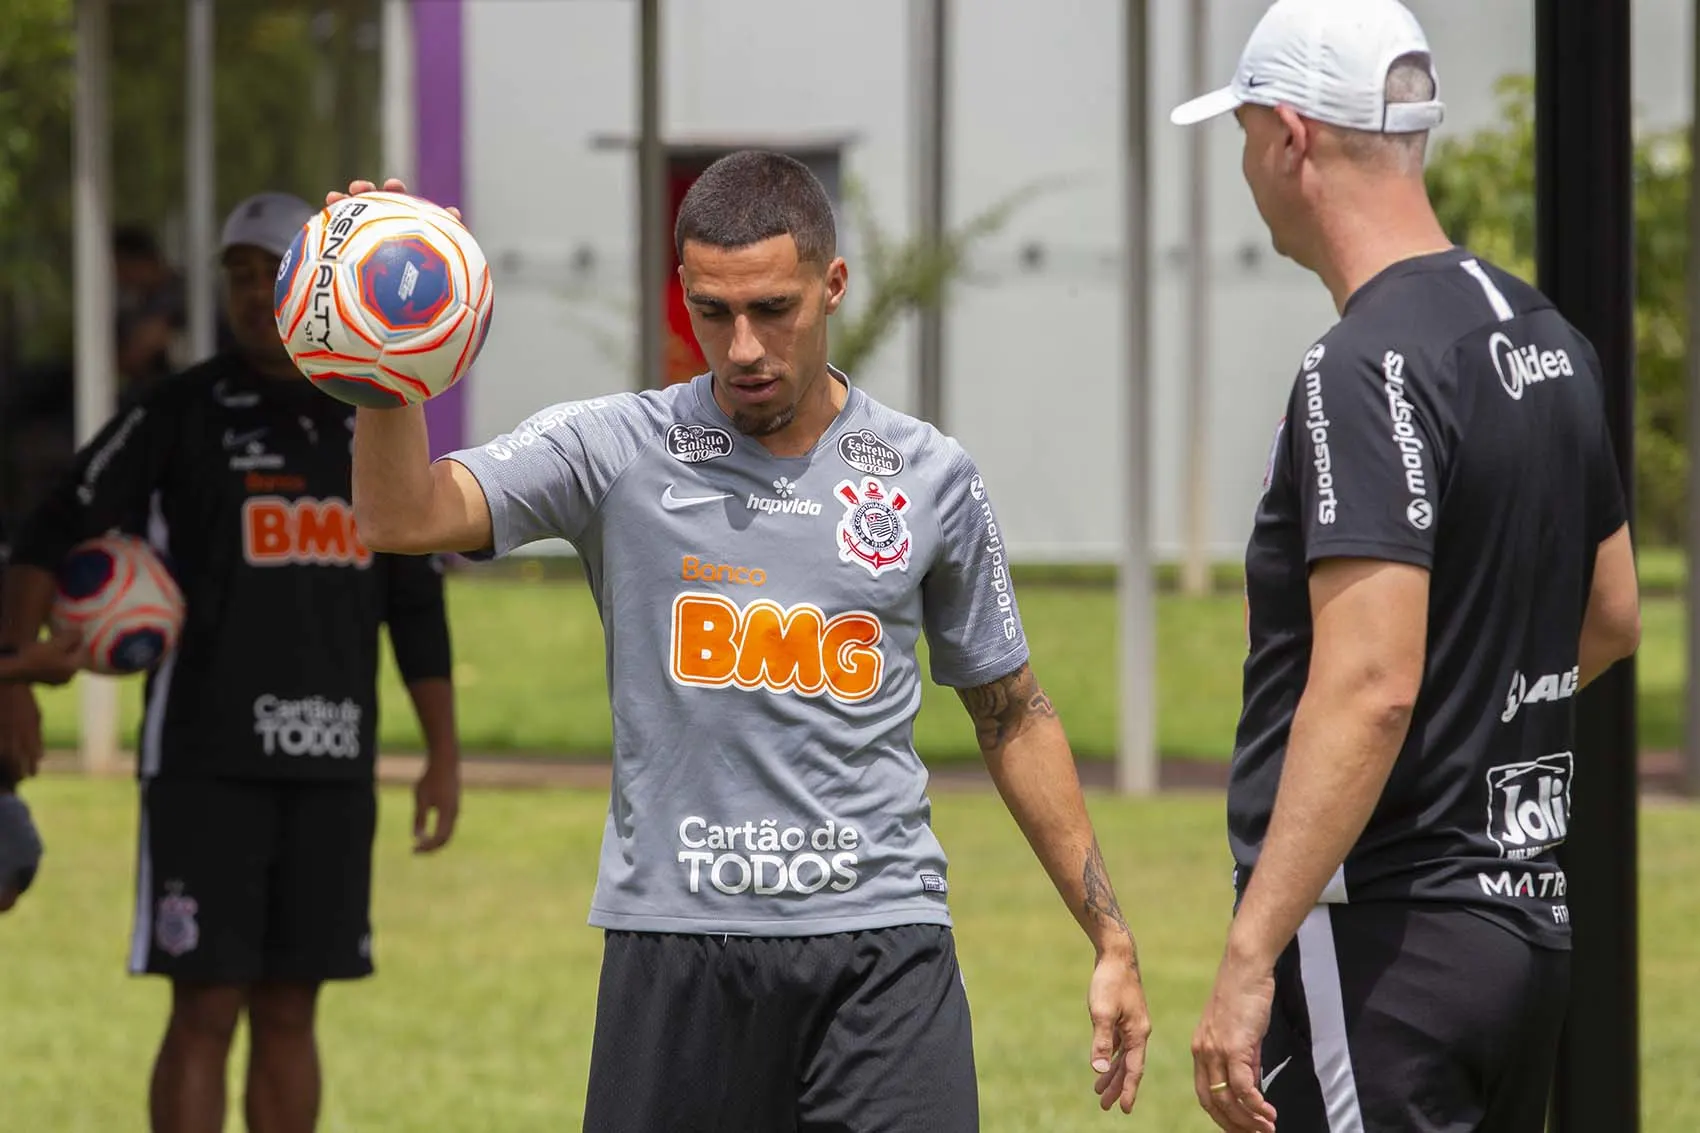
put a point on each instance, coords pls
(417, 616)
(547, 478)
(1607, 509)
(972, 620)
(107, 487)
(1366, 455)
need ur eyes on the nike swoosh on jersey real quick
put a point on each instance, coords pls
(676, 503)
(1270, 1077)
(233, 439)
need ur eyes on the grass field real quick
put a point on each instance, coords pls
(530, 667)
(481, 1013)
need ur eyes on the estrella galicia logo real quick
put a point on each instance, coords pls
(866, 452)
(695, 444)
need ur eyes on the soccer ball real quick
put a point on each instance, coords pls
(383, 299)
(118, 595)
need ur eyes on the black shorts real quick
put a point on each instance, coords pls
(862, 1032)
(239, 881)
(1424, 1019)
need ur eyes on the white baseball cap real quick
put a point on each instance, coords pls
(1328, 60)
(266, 220)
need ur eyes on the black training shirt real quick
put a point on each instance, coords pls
(1453, 420)
(243, 483)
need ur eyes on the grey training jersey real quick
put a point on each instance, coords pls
(762, 616)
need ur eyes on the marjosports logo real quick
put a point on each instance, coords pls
(1521, 366)
(1529, 805)
(718, 644)
(1322, 460)
(873, 531)
(765, 858)
(1419, 512)
(313, 727)
(533, 428)
(694, 444)
(865, 451)
(1001, 593)
(302, 532)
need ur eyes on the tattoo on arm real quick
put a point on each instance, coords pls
(1101, 899)
(1003, 708)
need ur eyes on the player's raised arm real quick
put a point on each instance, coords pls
(405, 503)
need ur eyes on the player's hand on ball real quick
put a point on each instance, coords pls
(1228, 1048)
(51, 662)
(1121, 1024)
(393, 185)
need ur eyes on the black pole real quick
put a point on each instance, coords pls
(1584, 242)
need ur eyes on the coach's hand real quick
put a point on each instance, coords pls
(437, 793)
(355, 188)
(1228, 1048)
(20, 733)
(1120, 1027)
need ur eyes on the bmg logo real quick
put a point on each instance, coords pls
(1529, 805)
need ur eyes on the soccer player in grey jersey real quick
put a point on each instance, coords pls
(766, 545)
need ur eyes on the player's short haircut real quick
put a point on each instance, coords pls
(755, 195)
(1410, 78)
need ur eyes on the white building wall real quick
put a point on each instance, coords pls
(1034, 357)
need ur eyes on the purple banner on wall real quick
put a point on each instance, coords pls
(438, 133)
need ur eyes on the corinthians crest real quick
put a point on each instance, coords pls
(873, 531)
(174, 928)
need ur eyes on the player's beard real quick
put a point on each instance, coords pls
(763, 424)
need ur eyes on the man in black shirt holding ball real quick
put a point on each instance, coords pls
(257, 750)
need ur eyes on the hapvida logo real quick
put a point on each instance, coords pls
(773, 506)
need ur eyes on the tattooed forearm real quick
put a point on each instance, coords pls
(1101, 899)
(1003, 708)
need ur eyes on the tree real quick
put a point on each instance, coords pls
(1483, 187)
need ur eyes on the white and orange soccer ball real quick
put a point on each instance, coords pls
(383, 299)
(117, 594)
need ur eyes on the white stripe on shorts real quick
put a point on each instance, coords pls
(1331, 1057)
(141, 934)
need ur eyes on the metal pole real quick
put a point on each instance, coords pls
(652, 208)
(1136, 754)
(396, 121)
(1584, 246)
(1691, 729)
(200, 178)
(931, 41)
(1195, 574)
(96, 380)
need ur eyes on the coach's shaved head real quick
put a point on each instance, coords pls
(755, 195)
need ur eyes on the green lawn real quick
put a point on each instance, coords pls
(481, 1013)
(530, 667)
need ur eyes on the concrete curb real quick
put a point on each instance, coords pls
(1661, 772)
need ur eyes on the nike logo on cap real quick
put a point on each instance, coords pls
(677, 503)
